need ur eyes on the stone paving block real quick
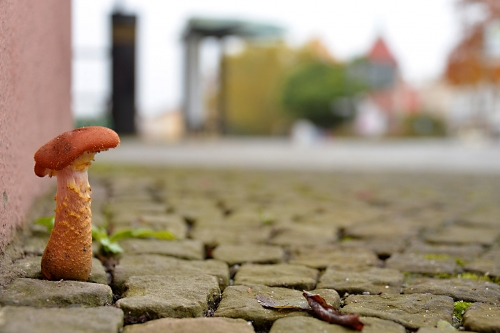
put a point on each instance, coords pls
(170, 222)
(158, 296)
(359, 280)
(464, 235)
(341, 216)
(303, 235)
(122, 211)
(31, 268)
(384, 247)
(184, 249)
(484, 318)
(239, 254)
(241, 302)
(35, 245)
(482, 266)
(194, 209)
(153, 264)
(249, 216)
(323, 256)
(412, 311)
(422, 264)
(74, 320)
(198, 325)
(230, 234)
(465, 253)
(481, 216)
(390, 228)
(493, 253)
(98, 218)
(488, 264)
(308, 324)
(42, 293)
(442, 327)
(459, 289)
(278, 275)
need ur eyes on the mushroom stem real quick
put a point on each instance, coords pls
(68, 254)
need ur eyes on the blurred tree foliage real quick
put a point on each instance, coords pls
(321, 92)
(253, 81)
(467, 63)
(269, 85)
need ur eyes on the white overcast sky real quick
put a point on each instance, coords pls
(420, 33)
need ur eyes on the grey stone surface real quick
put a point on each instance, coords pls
(308, 324)
(420, 263)
(230, 234)
(442, 327)
(241, 302)
(459, 289)
(412, 311)
(483, 266)
(322, 257)
(30, 268)
(194, 208)
(436, 330)
(488, 264)
(398, 228)
(198, 325)
(75, 320)
(158, 296)
(183, 249)
(35, 245)
(465, 253)
(484, 318)
(383, 246)
(278, 275)
(139, 265)
(126, 211)
(464, 235)
(238, 254)
(42, 293)
(359, 280)
(303, 235)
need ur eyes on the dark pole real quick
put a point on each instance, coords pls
(123, 73)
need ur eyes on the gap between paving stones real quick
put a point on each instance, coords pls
(399, 249)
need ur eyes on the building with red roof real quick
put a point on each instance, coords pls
(389, 97)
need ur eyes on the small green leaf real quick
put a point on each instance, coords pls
(99, 233)
(145, 233)
(47, 221)
(122, 234)
(141, 233)
(109, 246)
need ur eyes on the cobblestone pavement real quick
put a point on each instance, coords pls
(407, 252)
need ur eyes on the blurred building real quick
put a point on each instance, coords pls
(473, 74)
(389, 96)
(196, 30)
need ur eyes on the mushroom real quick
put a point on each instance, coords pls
(68, 254)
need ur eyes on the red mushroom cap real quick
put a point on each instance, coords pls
(61, 151)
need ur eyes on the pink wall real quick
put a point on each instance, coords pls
(35, 81)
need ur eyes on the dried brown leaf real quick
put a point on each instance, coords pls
(328, 313)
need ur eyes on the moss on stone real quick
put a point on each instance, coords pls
(459, 309)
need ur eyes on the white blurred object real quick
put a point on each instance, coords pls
(304, 133)
(370, 121)
(166, 127)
